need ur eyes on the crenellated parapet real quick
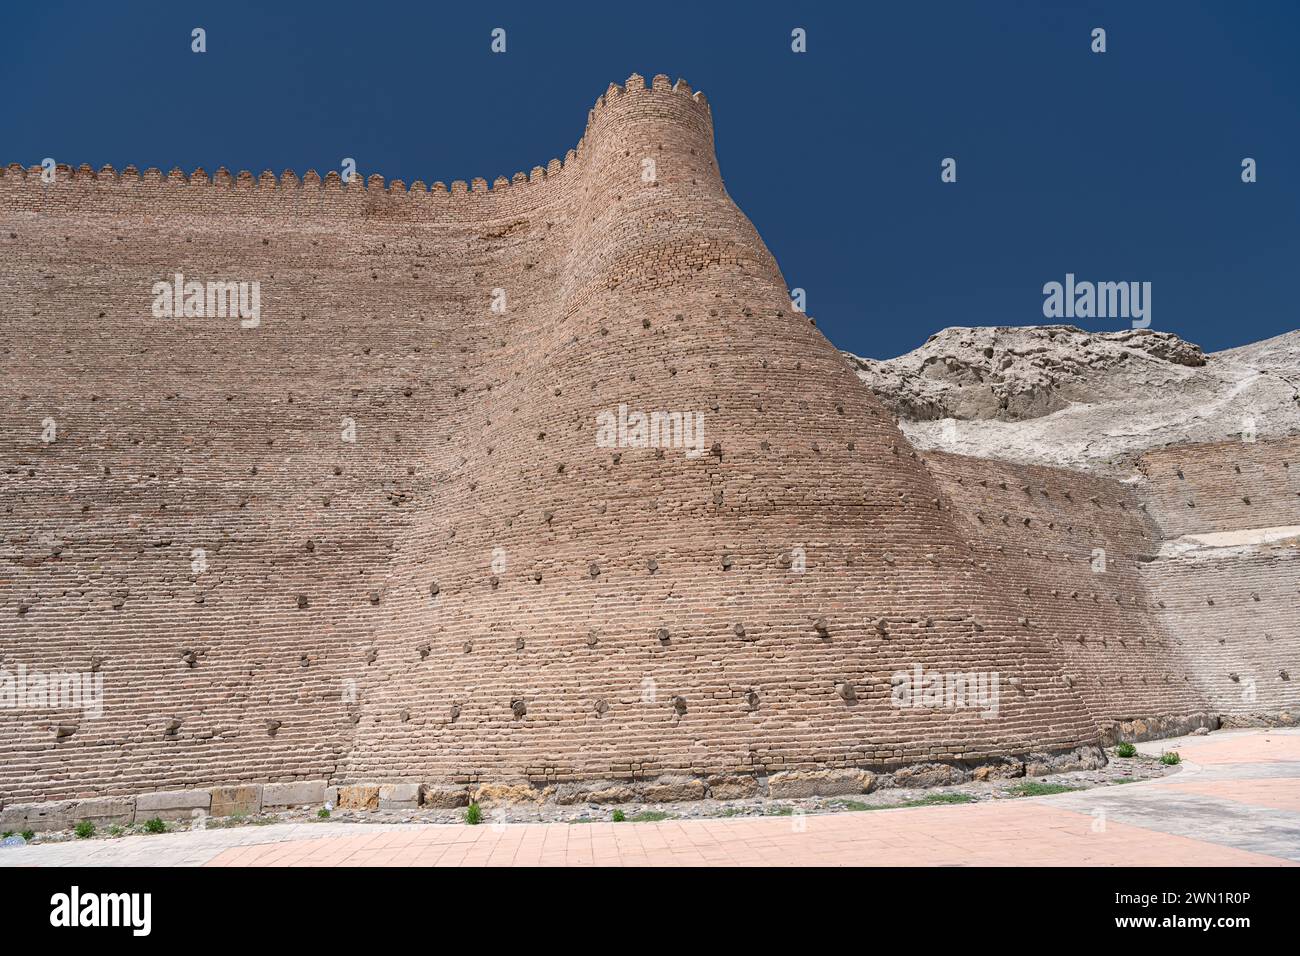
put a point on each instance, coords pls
(668, 101)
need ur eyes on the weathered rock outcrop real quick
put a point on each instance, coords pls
(1056, 395)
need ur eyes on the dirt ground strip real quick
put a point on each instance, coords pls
(1118, 771)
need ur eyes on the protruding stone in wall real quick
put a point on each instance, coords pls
(798, 784)
(296, 794)
(232, 801)
(173, 804)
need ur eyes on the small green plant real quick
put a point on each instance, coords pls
(618, 816)
(1169, 758)
(1032, 788)
(651, 816)
(473, 815)
(84, 830)
(1125, 749)
(779, 811)
(1125, 780)
(115, 830)
(930, 800)
(6, 835)
(939, 799)
(155, 825)
(323, 814)
(28, 835)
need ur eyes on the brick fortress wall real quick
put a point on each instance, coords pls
(1075, 547)
(1192, 615)
(474, 590)
(1235, 605)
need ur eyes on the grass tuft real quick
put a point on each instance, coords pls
(939, 799)
(1032, 788)
(651, 816)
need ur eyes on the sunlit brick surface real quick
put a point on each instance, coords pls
(1224, 486)
(475, 438)
(1075, 545)
(1237, 614)
(474, 590)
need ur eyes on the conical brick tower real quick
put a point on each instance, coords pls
(655, 613)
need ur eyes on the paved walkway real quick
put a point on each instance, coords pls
(1235, 803)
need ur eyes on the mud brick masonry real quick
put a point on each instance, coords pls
(473, 594)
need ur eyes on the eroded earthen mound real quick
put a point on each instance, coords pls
(1057, 395)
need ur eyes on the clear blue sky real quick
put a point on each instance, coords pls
(1122, 166)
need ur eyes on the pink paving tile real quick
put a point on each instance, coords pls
(1004, 833)
(1241, 748)
(1277, 793)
